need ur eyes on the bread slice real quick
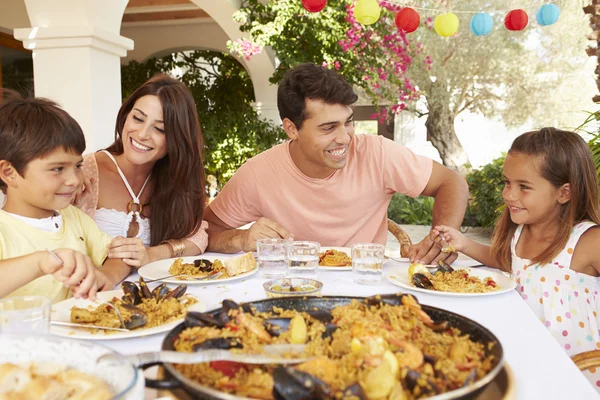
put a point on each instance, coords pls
(240, 264)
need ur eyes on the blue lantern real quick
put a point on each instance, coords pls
(547, 14)
(481, 24)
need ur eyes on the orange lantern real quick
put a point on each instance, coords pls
(516, 20)
(407, 20)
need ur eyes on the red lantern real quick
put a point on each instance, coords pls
(407, 20)
(516, 20)
(314, 5)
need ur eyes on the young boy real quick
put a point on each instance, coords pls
(47, 246)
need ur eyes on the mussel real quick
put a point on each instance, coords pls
(177, 292)
(391, 299)
(422, 281)
(135, 317)
(414, 379)
(160, 292)
(203, 265)
(355, 391)
(291, 384)
(444, 266)
(145, 291)
(132, 294)
(194, 318)
(223, 343)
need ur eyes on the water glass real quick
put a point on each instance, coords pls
(272, 257)
(367, 263)
(303, 258)
(25, 314)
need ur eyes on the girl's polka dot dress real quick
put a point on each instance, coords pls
(565, 301)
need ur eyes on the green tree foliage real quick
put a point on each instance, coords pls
(222, 89)
(485, 187)
(540, 76)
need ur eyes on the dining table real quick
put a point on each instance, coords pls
(541, 368)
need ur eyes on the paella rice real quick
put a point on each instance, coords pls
(369, 351)
(138, 308)
(334, 258)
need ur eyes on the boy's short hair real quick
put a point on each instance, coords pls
(32, 127)
(311, 81)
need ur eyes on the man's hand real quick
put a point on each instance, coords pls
(264, 228)
(429, 251)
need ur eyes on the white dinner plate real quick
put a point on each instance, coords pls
(342, 249)
(399, 277)
(160, 269)
(62, 312)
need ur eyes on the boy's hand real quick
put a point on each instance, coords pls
(454, 238)
(103, 282)
(77, 271)
(131, 250)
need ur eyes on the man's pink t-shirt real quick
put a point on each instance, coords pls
(349, 206)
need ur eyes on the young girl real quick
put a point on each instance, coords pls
(547, 236)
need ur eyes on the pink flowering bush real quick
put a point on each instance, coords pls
(244, 48)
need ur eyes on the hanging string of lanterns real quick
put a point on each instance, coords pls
(367, 12)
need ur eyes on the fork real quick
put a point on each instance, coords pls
(210, 277)
(273, 355)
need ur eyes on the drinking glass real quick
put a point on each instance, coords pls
(367, 263)
(25, 314)
(303, 258)
(272, 257)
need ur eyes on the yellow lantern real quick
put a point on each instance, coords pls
(367, 11)
(446, 24)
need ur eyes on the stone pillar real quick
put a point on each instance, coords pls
(77, 49)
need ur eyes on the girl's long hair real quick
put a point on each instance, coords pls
(561, 157)
(178, 179)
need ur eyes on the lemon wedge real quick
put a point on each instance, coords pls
(417, 268)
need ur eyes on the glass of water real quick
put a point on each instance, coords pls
(303, 258)
(367, 263)
(272, 257)
(26, 314)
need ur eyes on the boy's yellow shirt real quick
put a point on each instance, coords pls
(79, 232)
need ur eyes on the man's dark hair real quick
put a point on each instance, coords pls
(31, 128)
(310, 81)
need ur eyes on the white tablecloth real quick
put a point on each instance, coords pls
(542, 368)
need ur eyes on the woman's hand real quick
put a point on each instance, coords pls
(75, 270)
(131, 250)
(454, 238)
(83, 188)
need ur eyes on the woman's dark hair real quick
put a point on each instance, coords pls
(310, 81)
(32, 127)
(177, 180)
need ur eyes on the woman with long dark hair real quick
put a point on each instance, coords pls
(147, 188)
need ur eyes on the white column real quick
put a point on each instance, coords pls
(76, 60)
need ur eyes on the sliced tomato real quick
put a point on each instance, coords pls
(227, 368)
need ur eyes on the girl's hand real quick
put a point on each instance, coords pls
(76, 272)
(455, 239)
(131, 250)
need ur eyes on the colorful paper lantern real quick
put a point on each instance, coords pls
(407, 20)
(547, 14)
(516, 20)
(481, 24)
(367, 11)
(314, 5)
(446, 24)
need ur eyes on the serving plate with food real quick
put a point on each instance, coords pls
(335, 258)
(201, 270)
(137, 309)
(50, 367)
(380, 347)
(442, 279)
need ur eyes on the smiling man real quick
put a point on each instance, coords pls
(327, 184)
